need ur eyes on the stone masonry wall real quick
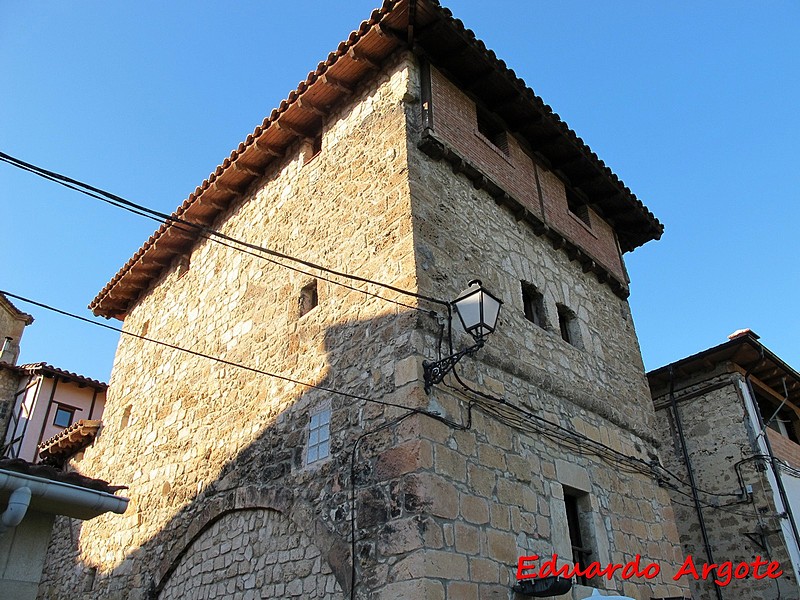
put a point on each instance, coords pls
(510, 483)
(211, 451)
(720, 440)
(188, 434)
(10, 326)
(9, 383)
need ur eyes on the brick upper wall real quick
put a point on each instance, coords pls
(455, 122)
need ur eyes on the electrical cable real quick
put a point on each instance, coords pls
(144, 211)
(203, 355)
(353, 456)
(522, 419)
(209, 237)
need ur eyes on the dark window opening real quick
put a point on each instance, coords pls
(490, 128)
(308, 298)
(533, 304)
(63, 417)
(578, 207)
(784, 422)
(568, 325)
(313, 147)
(581, 553)
(184, 264)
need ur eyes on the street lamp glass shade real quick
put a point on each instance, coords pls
(478, 310)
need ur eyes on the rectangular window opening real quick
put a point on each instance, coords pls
(533, 304)
(312, 147)
(784, 422)
(63, 417)
(568, 325)
(578, 207)
(490, 128)
(577, 516)
(319, 436)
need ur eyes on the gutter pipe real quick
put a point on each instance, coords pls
(17, 507)
(60, 498)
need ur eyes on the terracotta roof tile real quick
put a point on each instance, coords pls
(15, 311)
(46, 369)
(68, 442)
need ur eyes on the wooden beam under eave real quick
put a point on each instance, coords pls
(479, 80)
(242, 168)
(336, 84)
(152, 262)
(215, 203)
(266, 148)
(224, 188)
(296, 131)
(363, 59)
(566, 162)
(309, 107)
(507, 102)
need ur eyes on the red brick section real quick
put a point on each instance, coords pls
(784, 448)
(455, 121)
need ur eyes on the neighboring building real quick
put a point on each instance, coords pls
(12, 324)
(412, 156)
(48, 400)
(30, 497)
(734, 410)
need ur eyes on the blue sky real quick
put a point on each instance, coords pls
(692, 104)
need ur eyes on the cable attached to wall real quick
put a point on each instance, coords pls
(204, 231)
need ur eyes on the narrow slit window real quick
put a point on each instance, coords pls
(313, 147)
(308, 299)
(577, 516)
(568, 325)
(533, 304)
(319, 436)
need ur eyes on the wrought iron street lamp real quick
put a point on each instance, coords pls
(478, 310)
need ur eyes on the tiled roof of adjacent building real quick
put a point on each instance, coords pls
(68, 442)
(744, 350)
(14, 310)
(431, 30)
(45, 369)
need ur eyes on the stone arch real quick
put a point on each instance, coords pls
(246, 543)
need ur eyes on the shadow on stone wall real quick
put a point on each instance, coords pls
(219, 542)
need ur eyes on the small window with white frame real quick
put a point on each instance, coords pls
(319, 436)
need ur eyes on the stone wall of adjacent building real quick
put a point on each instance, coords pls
(12, 326)
(722, 447)
(9, 382)
(445, 502)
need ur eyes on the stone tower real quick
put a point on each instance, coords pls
(293, 451)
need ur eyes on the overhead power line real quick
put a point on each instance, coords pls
(205, 232)
(218, 359)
